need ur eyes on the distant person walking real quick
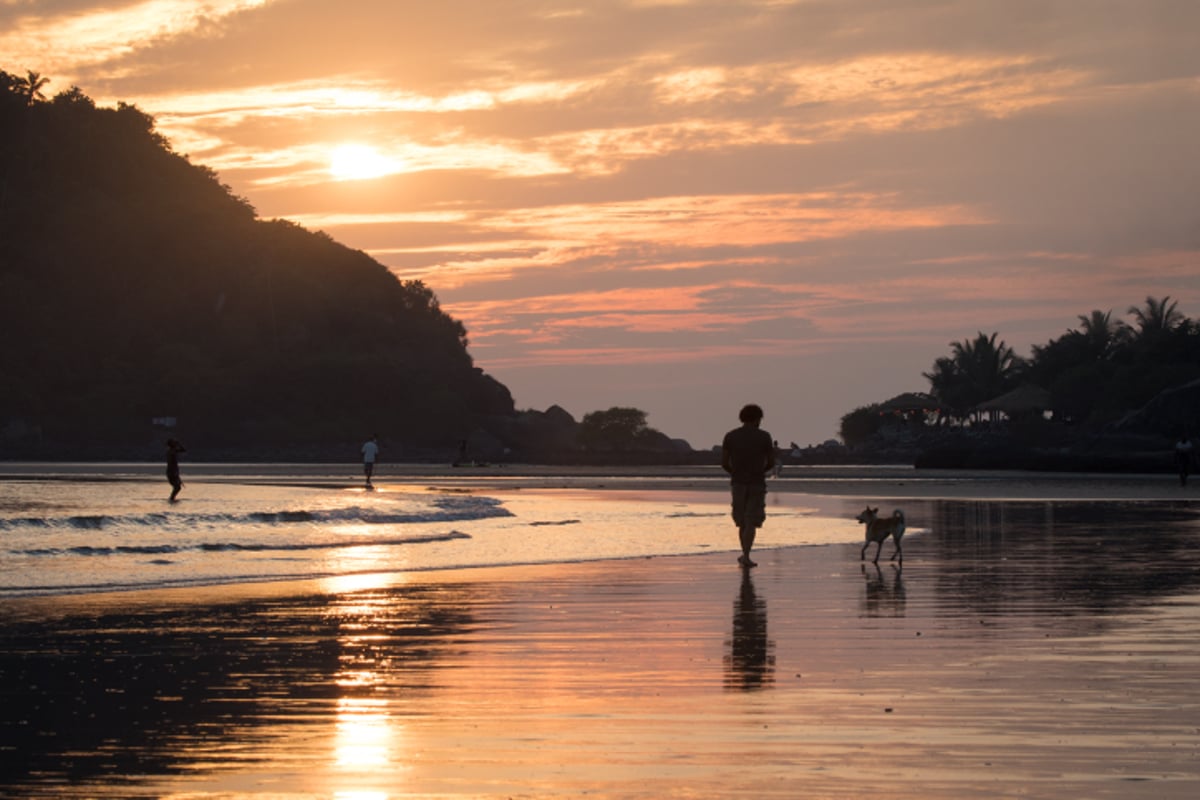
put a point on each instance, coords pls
(748, 454)
(174, 448)
(370, 452)
(1183, 458)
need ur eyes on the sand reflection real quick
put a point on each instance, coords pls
(750, 663)
(363, 733)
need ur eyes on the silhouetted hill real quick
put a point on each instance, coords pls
(134, 286)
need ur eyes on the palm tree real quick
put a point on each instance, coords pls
(946, 384)
(1101, 334)
(990, 366)
(1158, 316)
(31, 87)
(978, 370)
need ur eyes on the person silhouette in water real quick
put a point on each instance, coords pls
(174, 448)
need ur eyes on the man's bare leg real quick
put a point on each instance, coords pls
(746, 535)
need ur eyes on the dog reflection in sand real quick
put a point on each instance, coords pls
(879, 529)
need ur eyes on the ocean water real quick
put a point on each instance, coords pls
(111, 528)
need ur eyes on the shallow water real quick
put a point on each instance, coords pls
(111, 528)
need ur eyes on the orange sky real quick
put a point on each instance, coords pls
(684, 206)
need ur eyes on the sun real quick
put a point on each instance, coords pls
(356, 162)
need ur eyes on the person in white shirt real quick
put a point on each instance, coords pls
(370, 452)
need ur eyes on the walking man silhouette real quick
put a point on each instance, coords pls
(748, 455)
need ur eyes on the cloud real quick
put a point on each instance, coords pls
(78, 35)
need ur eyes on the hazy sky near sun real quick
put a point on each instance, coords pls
(685, 206)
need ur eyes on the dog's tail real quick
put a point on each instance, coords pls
(898, 514)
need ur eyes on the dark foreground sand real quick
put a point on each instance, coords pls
(1033, 649)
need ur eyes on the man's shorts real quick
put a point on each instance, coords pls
(749, 504)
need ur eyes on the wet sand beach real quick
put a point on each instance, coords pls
(1029, 647)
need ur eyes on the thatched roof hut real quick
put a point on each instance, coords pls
(1026, 399)
(910, 401)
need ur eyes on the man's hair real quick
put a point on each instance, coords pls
(750, 413)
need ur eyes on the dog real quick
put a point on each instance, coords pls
(879, 529)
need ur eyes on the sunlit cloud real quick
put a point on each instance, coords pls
(922, 80)
(324, 221)
(80, 36)
(706, 84)
(202, 124)
(307, 164)
(333, 96)
(652, 323)
(559, 235)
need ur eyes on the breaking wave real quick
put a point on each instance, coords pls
(448, 509)
(253, 547)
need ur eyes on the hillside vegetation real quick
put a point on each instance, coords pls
(135, 286)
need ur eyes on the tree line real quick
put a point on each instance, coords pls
(1094, 373)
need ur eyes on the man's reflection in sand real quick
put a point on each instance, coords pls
(750, 664)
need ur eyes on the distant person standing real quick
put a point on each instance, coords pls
(748, 454)
(1183, 458)
(370, 452)
(174, 448)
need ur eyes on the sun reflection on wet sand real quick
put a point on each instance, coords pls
(359, 582)
(364, 734)
(369, 739)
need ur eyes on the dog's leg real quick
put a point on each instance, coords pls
(878, 547)
(898, 551)
(863, 555)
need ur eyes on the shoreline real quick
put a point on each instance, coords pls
(897, 482)
(826, 494)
